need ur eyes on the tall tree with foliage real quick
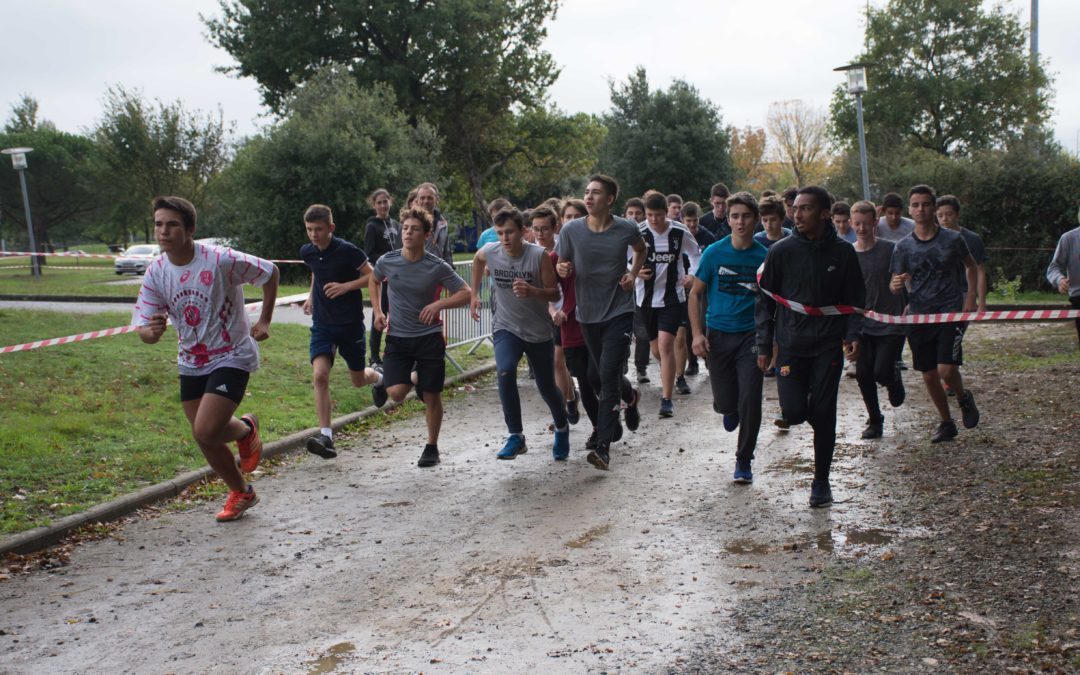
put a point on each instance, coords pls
(336, 143)
(59, 181)
(800, 134)
(671, 140)
(155, 148)
(463, 65)
(951, 76)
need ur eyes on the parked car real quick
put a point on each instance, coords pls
(136, 258)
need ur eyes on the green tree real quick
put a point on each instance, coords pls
(335, 144)
(463, 65)
(154, 148)
(63, 197)
(951, 76)
(671, 140)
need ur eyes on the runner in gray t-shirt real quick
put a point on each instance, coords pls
(524, 282)
(414, 339)
(948, 215)
(929, 264)
(594, 249)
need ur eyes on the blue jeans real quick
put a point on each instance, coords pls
(508, 351)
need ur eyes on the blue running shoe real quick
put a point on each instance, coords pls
(515, 445)
(667, 408)
(560, 451)
(743, 474)
(731, 422)
(820, 494)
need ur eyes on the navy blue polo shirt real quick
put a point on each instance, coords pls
(339, 263)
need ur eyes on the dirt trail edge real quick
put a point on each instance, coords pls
(367, 563)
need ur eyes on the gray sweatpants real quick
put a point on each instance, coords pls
(736, 384)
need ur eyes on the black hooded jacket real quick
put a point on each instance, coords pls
(815, 273)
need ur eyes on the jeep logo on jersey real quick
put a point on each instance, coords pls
(665, 257)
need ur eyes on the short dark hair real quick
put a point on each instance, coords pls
(772, 205)
(691, 210)
(610, 185)
(949, 200)
(892, 201)
(510, 214)
(923, 189)
(634, 201)
(820, 195)
(791, 193)
(674, 199)
(655, 201)
(419, 214)
(182, 206)
(768, 193)
(719, 190)
(747, 200)
(841, 209)
(578, 204)
(544, 212)
(498, 204)
(318, 213)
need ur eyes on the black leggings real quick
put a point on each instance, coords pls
(609, 348)
(808, 387)
(877, 364)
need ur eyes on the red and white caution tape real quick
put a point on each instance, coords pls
(915, 319)
(121, 330)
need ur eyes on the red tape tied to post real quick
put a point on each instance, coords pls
(916, 319)
(121, 330)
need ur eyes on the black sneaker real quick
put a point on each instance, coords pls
(946, 431)
(378, 391)
(874, 429)
(573, 415)
(591, 443)
(681, 387)
(322, 445)
(429, 457)
(631, 414)
(897, 393)
(599, 458)
(969, 413)
(820, 494)
(692, 368)
(618, 432)
(781, 423)
(642, 376)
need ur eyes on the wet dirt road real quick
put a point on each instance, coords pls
(367, 563)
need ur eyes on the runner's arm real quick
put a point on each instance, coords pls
(972, 271)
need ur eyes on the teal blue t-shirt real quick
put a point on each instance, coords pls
(730, 277)
(486, 237)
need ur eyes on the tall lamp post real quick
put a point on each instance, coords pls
(856, 85)
(18, 162)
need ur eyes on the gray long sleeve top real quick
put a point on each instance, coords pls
(1066, 262)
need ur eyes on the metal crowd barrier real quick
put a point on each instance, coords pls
(458, 327)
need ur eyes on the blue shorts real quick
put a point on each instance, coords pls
(348, 339)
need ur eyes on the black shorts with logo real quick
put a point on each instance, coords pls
(425, 354)
(228, 382)
(937, 344)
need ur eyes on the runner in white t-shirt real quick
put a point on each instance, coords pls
(198, 289)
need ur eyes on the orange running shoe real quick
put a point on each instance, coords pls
(250, 446)
(237, 503)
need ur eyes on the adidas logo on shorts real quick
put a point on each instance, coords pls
(222, 388)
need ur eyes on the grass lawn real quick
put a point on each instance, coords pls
(92, 278)
(86, 422)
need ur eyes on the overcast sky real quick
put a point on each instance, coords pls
(66, 53)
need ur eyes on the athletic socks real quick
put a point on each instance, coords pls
(328, 432)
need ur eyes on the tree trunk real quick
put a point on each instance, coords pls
(476, 187)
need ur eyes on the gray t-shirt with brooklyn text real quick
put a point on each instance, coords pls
(414, 286)
(599, 260)
(937, 270)
(526, 318)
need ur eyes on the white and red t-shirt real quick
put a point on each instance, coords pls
(205, 302)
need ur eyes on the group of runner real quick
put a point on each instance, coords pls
(572, 285)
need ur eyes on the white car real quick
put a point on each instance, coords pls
(136, 258)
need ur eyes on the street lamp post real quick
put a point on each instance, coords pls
(18, 162)
(856, 85)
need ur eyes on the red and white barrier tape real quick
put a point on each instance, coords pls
(109, 256)
(121, 330)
